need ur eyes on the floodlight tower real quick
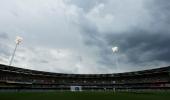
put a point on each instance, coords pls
(18, 40)
(115, 50)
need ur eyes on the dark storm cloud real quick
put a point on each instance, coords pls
(159, 11)
(149, 45)
(140, 45)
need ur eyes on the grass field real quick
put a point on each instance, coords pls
(83, 96)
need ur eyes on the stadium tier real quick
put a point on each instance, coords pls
(13, 78)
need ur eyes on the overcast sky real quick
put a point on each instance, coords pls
(76, 36)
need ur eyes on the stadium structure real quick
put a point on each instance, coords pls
(18, 79)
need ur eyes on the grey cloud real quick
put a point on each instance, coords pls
(159, 10)
(139, 44)
(86, 5)
(87, 29)
(3, 36)
(4, 48)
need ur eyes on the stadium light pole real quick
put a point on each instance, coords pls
(18, 40)
(115, 50)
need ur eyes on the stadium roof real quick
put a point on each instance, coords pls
(35, 72)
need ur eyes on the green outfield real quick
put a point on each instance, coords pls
(84, 96)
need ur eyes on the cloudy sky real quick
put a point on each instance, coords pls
(76, 36)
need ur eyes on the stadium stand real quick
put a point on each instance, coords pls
(13, 78)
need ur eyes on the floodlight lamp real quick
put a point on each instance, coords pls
(18, 40)
(115, 49)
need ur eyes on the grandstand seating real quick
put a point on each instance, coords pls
(19, 78)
